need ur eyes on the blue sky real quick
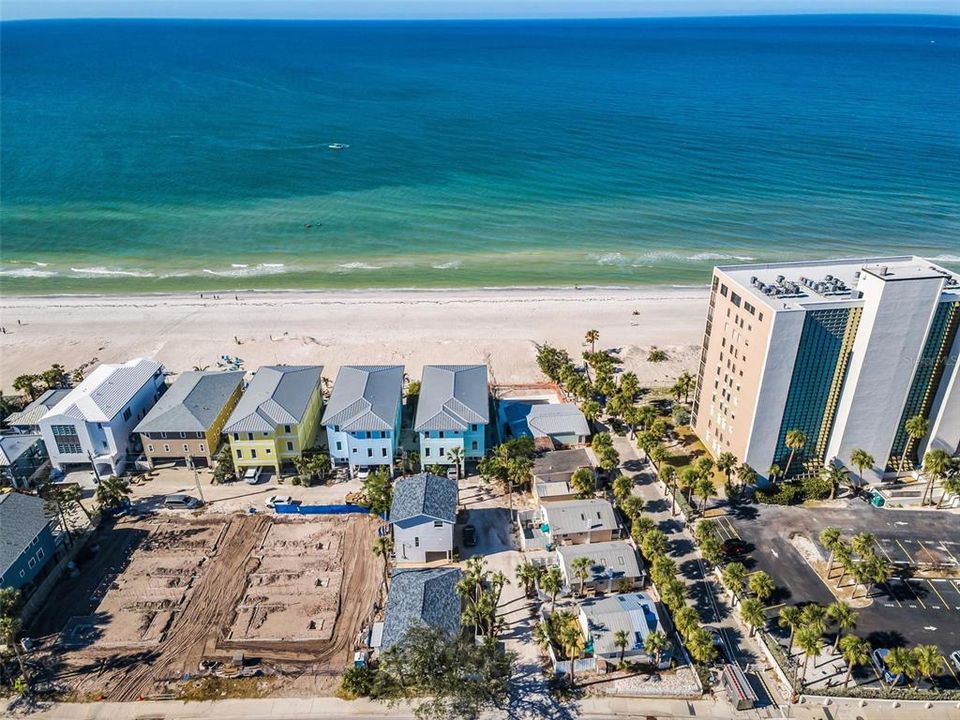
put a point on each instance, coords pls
(449, 9)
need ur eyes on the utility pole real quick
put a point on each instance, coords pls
(196, 478)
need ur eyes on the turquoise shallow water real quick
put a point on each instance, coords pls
(168, 156)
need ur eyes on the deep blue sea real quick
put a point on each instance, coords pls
(152, 156)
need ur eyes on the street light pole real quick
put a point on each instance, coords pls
(196, 478)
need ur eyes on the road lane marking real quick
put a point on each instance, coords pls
(909, 556)
(914, 593)
(893, 594)
(942, 599)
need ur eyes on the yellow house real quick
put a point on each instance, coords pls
(277, 418)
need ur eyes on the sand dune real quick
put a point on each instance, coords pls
(413, 328)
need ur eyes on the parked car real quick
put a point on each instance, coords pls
(362, 472)
(251, 476)
(452, 473)
(469, 536)
(878, 657)
(955, 659)
(734, 547)
(275, 500)
(181, 502)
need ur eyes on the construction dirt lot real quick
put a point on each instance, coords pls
(174, 596)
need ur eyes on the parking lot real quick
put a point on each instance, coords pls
(906, 610)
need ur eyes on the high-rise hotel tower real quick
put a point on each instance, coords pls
(844, 351)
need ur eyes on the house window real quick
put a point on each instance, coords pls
(383, 452)
(438, 523)
(201, 447)
(369, 435)
(149, 448)
(253, 453)
(239, 454)
(336, 428)
(268, 451)
(40, 554)
(426, 452)
(249, 436)
(66, 438)
(286, 429)
(127, 414)
(183, 435)
(440, 435)
(416, 542)
(289, 445)
(369, 452)
(473, 445)
(474, 427)
(339, 445)
(31, 562)
(166, 448)
(186, 448)
(236, 436)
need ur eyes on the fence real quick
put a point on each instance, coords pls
(291, 509)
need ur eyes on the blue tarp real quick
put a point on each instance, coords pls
(320, 509)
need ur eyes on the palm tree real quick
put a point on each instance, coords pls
(915, 427)
(795, 440)
(528, 574)
(726, 462)
(655, 644)
(761, 585)
(473, 616)
(789, 617)
(950, 486)
(686, 620)
(753, 614)
(845, 618)
(573, 643)
(928, 661)
(455, 457)
(541, 635)
(935, 464)
(620, 640)
(668, 473)
(814, 616)
(552, 584)
(704, 489)
(836, 476)
(581, 568)
(383, 547)
(654, 543)
(734, 574)
(591, 337)
(9, 628)
(829, 537)
(862, 544)
(901, 661)
(590, 409)
(746, 475)
(810, 643)
(701, 647)
(861, 460)
(855, 652)
(774, 473)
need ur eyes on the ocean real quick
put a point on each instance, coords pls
(153, 156)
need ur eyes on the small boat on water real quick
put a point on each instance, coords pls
(337, 146)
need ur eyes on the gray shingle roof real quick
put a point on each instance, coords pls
(452, 397)
(277, 395)
(192, 403)
(617, 559)
(13, 446)
(559, 465)
(568, 517)
(107, 390)
(32, 413)
(424, 494)
(421, 597)
(365, 397)
(557, 419)
(22, 518)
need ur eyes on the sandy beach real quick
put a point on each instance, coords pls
(413, 328)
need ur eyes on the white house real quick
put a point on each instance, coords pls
(422, 514)
(452, 411)
(363, 415)
(634, 613)
(94, 422)
(612, 564)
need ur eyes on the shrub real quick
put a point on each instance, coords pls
(296, 480)
(782, 494)
(815, 487)
(357, 681)
(656, 355)
(680, 415)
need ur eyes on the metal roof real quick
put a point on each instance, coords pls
(192, 403)
(421, 597)
(365, 397)
(13, 446)
(634, 613)
(106, 391)
(277, 395)
(551, 419)
(424, 494)
(568, 517)
(614, 559)
(452, 397)
(31, 414)
(22, 518)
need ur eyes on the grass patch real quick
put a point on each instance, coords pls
(217, 688)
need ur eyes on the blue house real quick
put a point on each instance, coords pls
(452, 412)
(26, 542)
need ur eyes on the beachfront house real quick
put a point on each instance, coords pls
(579, 521)
(363, 415)
(187, 422)
(26, 543)
(21, 456)
(422, 515)
(553, 471)
(421, 598)
(28, 419)
(613, 565)
(554, 425)
(453, 410)
(277, 417)
(634, 613)
(92, 425)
